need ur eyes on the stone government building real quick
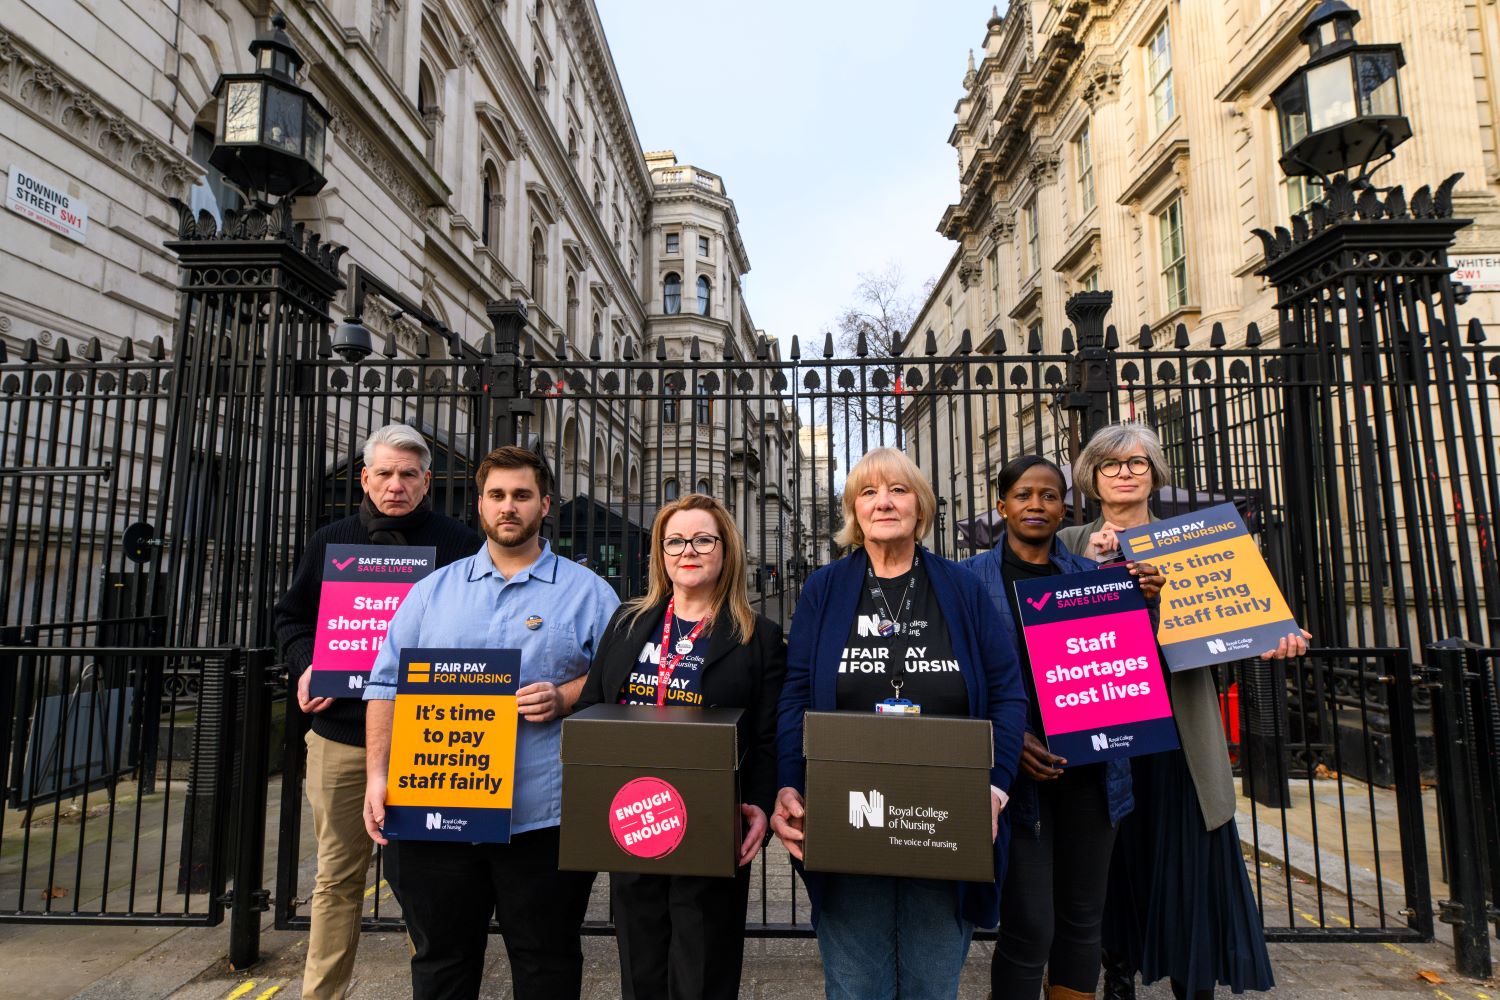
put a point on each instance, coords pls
(1131, 146)
(478, 151)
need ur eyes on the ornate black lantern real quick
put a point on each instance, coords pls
(1343, 108)
(270, 133)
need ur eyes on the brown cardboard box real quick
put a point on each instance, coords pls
(653, 790)
(899, 795)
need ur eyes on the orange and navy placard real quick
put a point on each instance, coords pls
(453, 746)
(1219, 602)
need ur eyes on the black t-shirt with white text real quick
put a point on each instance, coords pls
(919, 654)
(685, 688)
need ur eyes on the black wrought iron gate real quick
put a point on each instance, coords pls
(152, 509)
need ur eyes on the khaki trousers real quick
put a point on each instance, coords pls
(336, 791)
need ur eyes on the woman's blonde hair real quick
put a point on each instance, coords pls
(885, 465)
(730, 592)
(1120, 439)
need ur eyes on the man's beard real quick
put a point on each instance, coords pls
(528, 532)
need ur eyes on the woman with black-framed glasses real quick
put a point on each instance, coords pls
(693, 641)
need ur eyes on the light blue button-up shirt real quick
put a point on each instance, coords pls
(468, 604)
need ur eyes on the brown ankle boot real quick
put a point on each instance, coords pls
(1063, 993)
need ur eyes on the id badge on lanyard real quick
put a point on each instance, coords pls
(890, 626)
(666, 667)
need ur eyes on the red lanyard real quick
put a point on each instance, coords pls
(665, 667)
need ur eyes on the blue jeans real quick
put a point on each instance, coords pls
(883, 938)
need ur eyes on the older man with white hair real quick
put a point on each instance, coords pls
(396, 510)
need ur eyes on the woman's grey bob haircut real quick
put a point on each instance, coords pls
(1121, 441)
(402, 438)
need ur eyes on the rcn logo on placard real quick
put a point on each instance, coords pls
(1217, 646)
(866, 809)
(1100, 741)
(434, 821)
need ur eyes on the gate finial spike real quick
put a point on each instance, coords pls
(1252, 335)
(828, 343)
(1034, 341)
(92, 351)
(60, 352)
(1216, 336)
(158, 348)
(1000, 345)
(965, 343)
(596, 347)
(862, 342)
(1145, 339)
(695, 349)
(388, 345)
(125, 352)
(29, 351)
(1111, 338)
(487, 345)
(929, 347)
(1182, 339)
(1476, 331)
(1067, 341)
(796, 351)
(661, 348)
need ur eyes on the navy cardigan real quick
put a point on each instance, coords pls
(1023, 808)
(986, 657)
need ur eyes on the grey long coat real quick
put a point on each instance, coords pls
(1195, 704)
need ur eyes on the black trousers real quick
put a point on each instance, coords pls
(449, 891)
(1052, 903)
(681, 937)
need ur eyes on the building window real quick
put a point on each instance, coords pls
(1173, 254)
(572, 144)
(212, 192)
(671, 295)
(572, 310)
(703, 287)
(995, 281)
(1159, 77)
(1090, 282)
(1083, 158)
(703, 246)
(1033, 240)
(674, 244)
(702, 406)
(538, 265)
(598, 200)
(1300, 193)
(490, 202)
(703, 487)
(669, 490)
(427, 105)
(539, 77)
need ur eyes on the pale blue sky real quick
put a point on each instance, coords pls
(828, 121)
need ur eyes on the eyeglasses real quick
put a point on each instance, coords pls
(702, 544)
(1138, 465)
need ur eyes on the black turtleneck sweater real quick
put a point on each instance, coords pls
(297, 611)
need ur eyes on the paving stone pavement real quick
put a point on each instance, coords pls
(39, 963)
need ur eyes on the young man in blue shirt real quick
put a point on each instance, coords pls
(514, 593)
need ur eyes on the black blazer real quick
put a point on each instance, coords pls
(735, 675)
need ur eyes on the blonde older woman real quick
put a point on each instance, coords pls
(1180, 904)
(882, 936)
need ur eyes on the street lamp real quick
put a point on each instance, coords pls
(270, 133)
(1343, 108)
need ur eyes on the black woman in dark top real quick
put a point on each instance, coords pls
(693, 641)
(1063, 821)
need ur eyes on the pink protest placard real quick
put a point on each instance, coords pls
(363, 585)
(1094, 660)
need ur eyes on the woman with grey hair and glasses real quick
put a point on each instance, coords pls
(1180, 904)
